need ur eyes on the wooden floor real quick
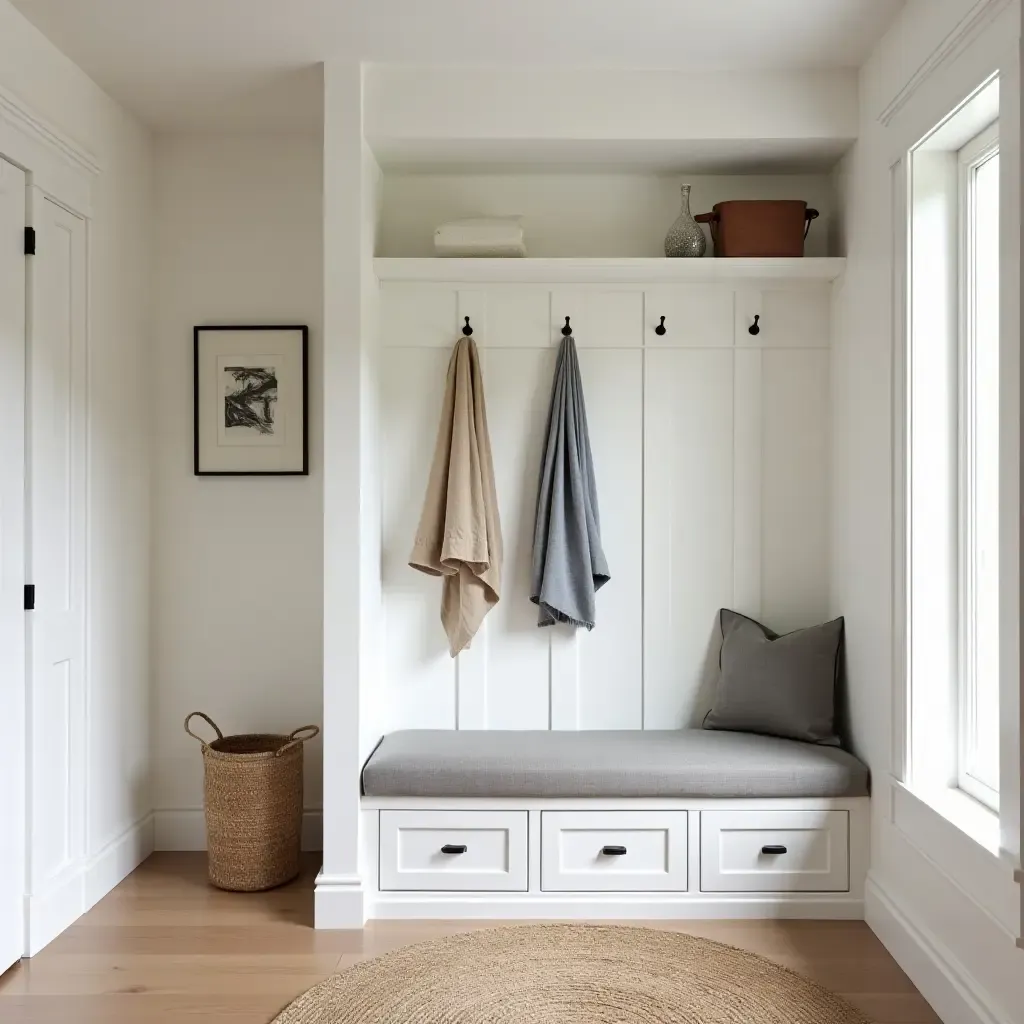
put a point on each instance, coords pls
(165, 947)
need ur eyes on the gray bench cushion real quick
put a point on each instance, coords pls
(684, 763)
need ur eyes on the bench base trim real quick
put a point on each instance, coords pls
(340, 901)
(607, 907)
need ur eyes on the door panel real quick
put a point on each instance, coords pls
(12, 563)
(57, 390)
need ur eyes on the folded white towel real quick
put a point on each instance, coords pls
(481, 236)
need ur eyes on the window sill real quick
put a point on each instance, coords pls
(973, 818)
(960, 837)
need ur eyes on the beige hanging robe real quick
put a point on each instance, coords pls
(459, 536)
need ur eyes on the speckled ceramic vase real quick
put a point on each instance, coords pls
(685, 237)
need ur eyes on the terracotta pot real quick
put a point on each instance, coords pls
(759, 227)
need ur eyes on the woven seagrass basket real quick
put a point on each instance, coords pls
(253, 797)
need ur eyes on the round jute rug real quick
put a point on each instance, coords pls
(569, 974)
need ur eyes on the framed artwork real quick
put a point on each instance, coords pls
(250, 394)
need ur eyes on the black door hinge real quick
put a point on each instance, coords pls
(30, 596)
(30, 241)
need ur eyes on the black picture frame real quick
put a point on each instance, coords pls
(197, 333)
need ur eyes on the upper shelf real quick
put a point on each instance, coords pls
(608, 271)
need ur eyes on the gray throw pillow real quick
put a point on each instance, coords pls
(777, 685)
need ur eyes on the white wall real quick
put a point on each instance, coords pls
(583, 214)
(238, 562)
(591, 115)
(943, 904)
(120, 383)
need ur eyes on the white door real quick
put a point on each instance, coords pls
(12, 563)
(57, 555)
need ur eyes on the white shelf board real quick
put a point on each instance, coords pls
(608, 271)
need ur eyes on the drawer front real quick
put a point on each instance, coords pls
(774, 851)
(453, 850)
(613, 851)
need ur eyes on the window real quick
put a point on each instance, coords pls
(978, 469)
(949, 450)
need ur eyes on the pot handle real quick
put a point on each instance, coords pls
(809, 215)
(711, 219)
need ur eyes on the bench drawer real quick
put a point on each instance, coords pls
(774, 851)
(453, 850)
(613, 851)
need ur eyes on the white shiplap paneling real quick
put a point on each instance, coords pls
(599, 317)
(710, 449)
(611, 657)
(418, 315)
(794, 520)
(517, 383)
(748, 481)
(420, 676)
(688, 525)
(696, 316)
(789, 318)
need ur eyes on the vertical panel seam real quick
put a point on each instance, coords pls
(643, 512)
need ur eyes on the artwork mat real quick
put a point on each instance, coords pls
(285, 453)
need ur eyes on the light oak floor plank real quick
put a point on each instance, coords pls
(165, 947)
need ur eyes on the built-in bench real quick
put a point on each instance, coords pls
(623, 763)
(614, 824)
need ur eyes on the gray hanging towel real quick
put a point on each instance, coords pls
(569, 566)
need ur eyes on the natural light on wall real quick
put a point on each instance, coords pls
(952, 456)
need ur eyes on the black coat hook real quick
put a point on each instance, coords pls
(753, 328)
(566, 330)
(467, 330)
(660, 329)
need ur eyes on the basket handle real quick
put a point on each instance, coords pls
(209, 721)
(809, 215)
(297, 737)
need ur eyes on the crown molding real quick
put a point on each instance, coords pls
(969, 28)
(20, 116)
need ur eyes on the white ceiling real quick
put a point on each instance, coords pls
(183, 64)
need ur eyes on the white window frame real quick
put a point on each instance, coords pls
(971, 156)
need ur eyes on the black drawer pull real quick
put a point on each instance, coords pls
(772, 849)
(453, 848)
(613, 851)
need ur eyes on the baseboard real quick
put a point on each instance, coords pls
(339, 901)
(186, 829)
(81, 886)
(593, 906)
(941, 978)
(117, 860)
(56, 908)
